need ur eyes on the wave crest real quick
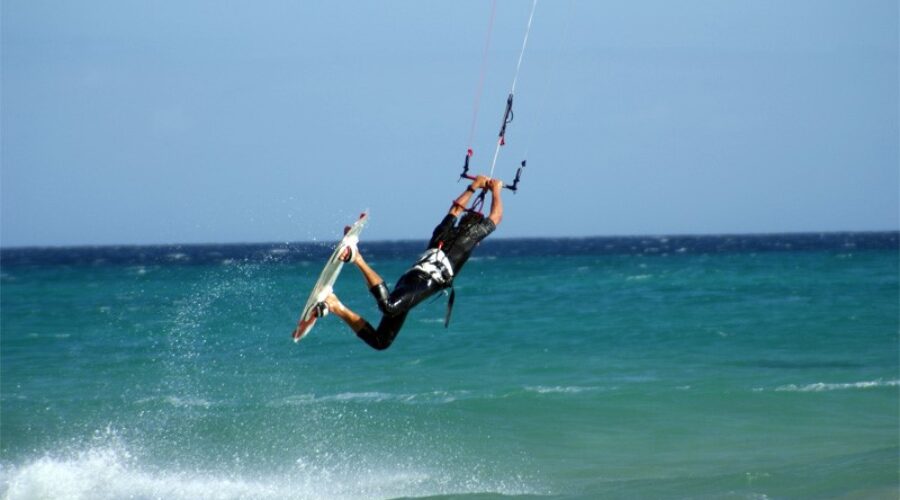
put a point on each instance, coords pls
(822, 387)
(113, 473)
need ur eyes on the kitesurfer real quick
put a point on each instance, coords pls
(448, 250)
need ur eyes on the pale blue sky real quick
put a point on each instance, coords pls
(185, 122)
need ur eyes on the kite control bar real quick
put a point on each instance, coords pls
(501, 141)
(514, 187)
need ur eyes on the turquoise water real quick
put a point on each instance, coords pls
(591, 374)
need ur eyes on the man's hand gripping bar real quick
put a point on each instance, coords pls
(514, 187)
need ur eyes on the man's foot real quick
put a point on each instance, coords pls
(348, 254)
(319, 310)
(333, 303)
(350, 251)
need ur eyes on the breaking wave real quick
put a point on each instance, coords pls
(113, 473)
(822, 387)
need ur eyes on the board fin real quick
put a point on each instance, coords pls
(450, 302)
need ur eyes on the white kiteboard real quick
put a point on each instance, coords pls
(324, 285)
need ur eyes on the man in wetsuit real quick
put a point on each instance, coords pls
(448, 250)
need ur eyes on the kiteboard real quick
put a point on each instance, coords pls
(314, 308)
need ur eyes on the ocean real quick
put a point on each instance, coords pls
(745, 367)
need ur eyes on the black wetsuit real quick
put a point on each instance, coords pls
(415, 286)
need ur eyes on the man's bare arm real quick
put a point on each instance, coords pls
(462, 201)
(496, 215)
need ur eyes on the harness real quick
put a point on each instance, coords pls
(436, 265)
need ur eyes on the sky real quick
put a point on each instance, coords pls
(143, 122)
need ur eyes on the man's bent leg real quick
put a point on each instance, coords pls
(372, 278)
(379, 339)
(384, 336)
(353, 320)
(411, 289)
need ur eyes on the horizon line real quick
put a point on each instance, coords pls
(411, 240)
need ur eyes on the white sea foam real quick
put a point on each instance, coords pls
(365, 397)
(138, 270)
(33, 335)
(178, 402)
(187, 402)
(822, 387)
(113, 473)
(107, 473)
(540, 389)
(435, 397)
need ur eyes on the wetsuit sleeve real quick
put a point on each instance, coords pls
(485, 227)
(441, 230)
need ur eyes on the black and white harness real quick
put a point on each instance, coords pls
(435, 264)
